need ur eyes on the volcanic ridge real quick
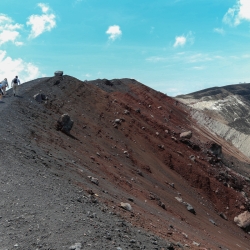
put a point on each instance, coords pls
(137, 171)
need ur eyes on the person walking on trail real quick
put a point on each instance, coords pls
(14, 84)
(1, 92)
(4, 84)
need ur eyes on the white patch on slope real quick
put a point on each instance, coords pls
(218, 104)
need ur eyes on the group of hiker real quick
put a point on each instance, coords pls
(4, 84)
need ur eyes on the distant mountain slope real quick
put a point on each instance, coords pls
(228, 107)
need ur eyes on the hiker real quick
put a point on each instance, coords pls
(14, 84)
(4, 84)
(1, 92)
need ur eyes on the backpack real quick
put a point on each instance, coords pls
(15, 80)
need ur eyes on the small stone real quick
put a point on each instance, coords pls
(191, 209)
(196, 244)
(223, 216)
(186, 135)
(192, 157)
(77, 246)
(94, 180)
(178, 199)
(213, 222)
(126, 206)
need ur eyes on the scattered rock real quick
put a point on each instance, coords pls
(191, 209)
(76, 246)
(196, 244)
(94, 180)
(161, 204)
(214, 149)
(117, 121)
(139, 172)
(40, 97)
(243, 220)
(213, 222)
(170, 246)
(64, 124)
(223, 216)
(192, 158)
(58, 73)
(126, 206)
(179, 199)
(186, 135)
(172, 185)
(161, 146)
(174, 139)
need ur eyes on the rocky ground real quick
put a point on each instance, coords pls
(64, 191)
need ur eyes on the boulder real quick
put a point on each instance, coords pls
(186, 135)
(243, 220)
(58, 73)
(126, 206)
(40, 97)
(64, 124)
(214, 149)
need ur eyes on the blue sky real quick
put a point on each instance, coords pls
(173, 46)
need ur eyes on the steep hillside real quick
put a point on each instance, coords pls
(126, 136)
(226, 110)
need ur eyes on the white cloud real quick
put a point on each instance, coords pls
(180, 41)
(41, 23)
(8, 30)
(238, 13)
(219, 30)
(19, 43)
(44, 7)
(9, 68)
(155, 59)
(114, 32)
(198, 68)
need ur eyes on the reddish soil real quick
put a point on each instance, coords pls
(141, 157)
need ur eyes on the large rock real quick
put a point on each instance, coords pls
(40, 97)
(243, 220)
(214, 149)
(64, 124)
(58, 73)
(186, 135)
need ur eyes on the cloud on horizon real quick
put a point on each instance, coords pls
(41, 23)
(10, 67)
(9, 30)
(114, 32)
(238, 13)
